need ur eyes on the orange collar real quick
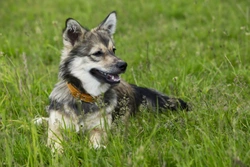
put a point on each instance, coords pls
(78, 95)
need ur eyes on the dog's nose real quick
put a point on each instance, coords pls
(122, 65)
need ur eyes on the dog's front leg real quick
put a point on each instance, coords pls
(97, 137)
(54, 138)
(98, 126)
(57, 122)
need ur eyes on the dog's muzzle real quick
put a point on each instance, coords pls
(112, 76)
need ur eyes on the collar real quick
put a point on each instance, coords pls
(79, 95)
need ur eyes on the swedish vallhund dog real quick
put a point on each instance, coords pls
(89, 93)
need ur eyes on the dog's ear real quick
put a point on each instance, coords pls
(72, 32)
(109, 23)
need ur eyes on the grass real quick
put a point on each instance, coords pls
(195, 50)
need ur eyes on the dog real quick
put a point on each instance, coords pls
(90, 93)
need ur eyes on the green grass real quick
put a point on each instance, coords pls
(195, 50)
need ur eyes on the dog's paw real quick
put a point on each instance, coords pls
(98, 146)
(40, 120)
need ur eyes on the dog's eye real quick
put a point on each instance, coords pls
(98, 53)
(114, 49)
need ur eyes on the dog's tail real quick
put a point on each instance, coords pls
(157, 101)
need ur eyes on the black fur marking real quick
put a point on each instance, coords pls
(157, 100)
(68, 77)
(86, 107)
(78, 107)
(108, 96)
(54, 105)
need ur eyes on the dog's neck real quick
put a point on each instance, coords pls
(76, 93)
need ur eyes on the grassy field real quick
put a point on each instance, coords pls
(195, 50)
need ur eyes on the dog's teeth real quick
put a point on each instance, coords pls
(113, 78)
(103, 73)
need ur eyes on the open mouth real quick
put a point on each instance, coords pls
(111, 78)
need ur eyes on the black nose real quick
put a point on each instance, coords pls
(122, 65)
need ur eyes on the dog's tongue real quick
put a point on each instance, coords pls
(113, 78)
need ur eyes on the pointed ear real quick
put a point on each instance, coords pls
(109, 24)
(72, 32)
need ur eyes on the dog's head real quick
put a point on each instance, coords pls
(88, 59)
